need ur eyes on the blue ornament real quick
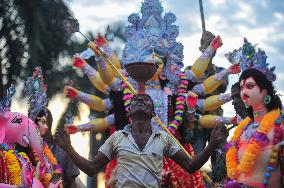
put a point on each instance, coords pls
(267, 175)
(270, 168)
(265, 181)
(278, 121)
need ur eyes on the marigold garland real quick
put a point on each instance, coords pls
(254, 146)
(13, 167)
(12, 162)
(24, 155)
(57, 169)
(48, 153)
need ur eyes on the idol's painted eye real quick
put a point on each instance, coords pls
(17, 120)
(250, 85)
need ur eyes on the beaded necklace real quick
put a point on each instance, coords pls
(274, 154)
(180, 103)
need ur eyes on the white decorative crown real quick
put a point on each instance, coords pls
(251, 57)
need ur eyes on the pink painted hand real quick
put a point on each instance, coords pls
(234, 69)
(70, 92)
(71, 129)
(78, 62)
(216, 43)
(191, 100)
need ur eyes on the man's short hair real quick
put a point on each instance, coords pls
(49, 117)
(236, 86)
(134, 96)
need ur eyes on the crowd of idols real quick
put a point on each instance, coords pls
(163, 120)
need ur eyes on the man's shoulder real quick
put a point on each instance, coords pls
(164, 136)
(116, 136)
(162, 133)
(117, 133)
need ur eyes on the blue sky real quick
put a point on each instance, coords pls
(261, 21)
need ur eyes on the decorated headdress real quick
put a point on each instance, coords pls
(153, 34)
(6, 102)
(251, 57)
(35, 89)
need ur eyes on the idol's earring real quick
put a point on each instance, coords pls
(267, 99)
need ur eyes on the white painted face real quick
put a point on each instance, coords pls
(251, 94)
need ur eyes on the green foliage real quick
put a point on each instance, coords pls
(32, 34)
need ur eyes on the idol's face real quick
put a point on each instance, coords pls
(250, 92)
(42, 125)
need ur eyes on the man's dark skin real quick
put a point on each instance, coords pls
(48, 137)
(141, 129)
(237, 102)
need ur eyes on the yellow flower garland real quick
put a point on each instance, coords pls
(13, 167)
(254, 147)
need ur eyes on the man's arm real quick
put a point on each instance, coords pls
(71, 181)
(87, 166)
(71, 171)
(191, 165)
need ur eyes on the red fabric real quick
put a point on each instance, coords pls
(175, 176)
(108, 172)
(112, 129)
(3, 169)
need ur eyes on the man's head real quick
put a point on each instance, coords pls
(237, 102)
(141, 104)
(207, 38)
